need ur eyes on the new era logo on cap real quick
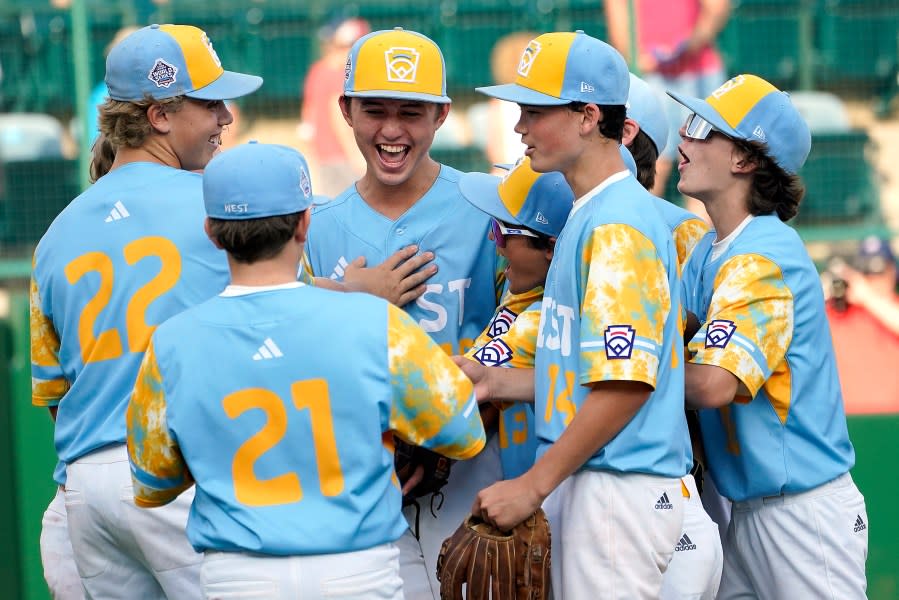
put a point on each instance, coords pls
(396, 64)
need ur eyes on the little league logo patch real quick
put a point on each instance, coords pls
(212, 52)
(495, 353)
(305, 185)
(619, 341)
(527, 58)
(162, 74)
(402, 64)
(502, 322)
(728, 86)
(719, 333)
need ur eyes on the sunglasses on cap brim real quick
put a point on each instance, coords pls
(697, 128)
(500, 230)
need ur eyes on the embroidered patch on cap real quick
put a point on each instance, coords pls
(719, 333)
(163, 73)
(527, 58)
(502, 322)
(619, 341)
(402, 64)
(495, 353)
(206, 42)
(305, 184)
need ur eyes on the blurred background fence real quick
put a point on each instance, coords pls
(839, 59)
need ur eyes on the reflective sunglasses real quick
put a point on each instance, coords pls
(501, 230)
(697, 128)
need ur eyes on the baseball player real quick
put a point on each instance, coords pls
(695, 570)
(395, 100)
(762, 362)
(296, 494)
(118, 260)
(57, 557)
(612, 437)
(528, 211)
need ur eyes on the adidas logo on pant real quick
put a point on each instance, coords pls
(663, 503)
(685, 544)
(859, 524)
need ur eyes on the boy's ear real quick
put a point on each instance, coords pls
(631, 129)
(303, 225)
(591, 117)
(551, 248)
(208, 231)
(158, 118)
(741, 163)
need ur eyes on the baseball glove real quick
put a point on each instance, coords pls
(494, 564)
(407, 458)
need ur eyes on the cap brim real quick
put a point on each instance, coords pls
(394, 95)
(229, 85)
(481, 190)
(705, 110)
(512, 92)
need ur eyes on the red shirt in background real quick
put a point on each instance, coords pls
(867, 361)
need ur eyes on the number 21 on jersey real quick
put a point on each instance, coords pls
(311, 394)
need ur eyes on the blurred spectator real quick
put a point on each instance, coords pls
(675, 51)
(331, 144)
(863, 310)
(503, 144)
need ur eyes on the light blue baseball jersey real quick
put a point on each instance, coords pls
(461, 296)
(608, 314)
(289, 438)
(509, 340)
(686, 228)
(120, 259)
(762, 312)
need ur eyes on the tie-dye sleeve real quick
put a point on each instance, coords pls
(625, 303)
(749, 324)
(305, 273)
(158, 470)
(48, 384)
(686, 235)
(434, 403)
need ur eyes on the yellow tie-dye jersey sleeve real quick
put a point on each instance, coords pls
(158, 471)
(434, 404)
(626, 301)
(522, 339)
(749, 324)
(686, 235)
(48, 385)
(305, 273)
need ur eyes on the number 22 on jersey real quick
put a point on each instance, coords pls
(107, 344)
(285, 488)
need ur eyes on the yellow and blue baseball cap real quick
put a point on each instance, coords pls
(749, 108)
(645, 107)
(398, 65)
(537, 201)
(562, 67)
(254, 180)
(164, 61)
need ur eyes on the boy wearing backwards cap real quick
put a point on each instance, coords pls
(395, 100)
(763, 360)
(295, 488)
(613, 440)
(120, 259)
(528, 210)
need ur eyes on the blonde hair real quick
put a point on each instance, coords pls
(125, 124)
(102, 157)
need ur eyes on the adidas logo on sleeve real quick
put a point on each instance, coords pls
(685, 544)
(663, 503)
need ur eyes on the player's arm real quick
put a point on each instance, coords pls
(618, 25)
(48, 384)
(434, 403)
(745, 335)
(619, 384)
(713, 16)
(158, 471)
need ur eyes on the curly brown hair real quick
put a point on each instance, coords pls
(773, 189)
